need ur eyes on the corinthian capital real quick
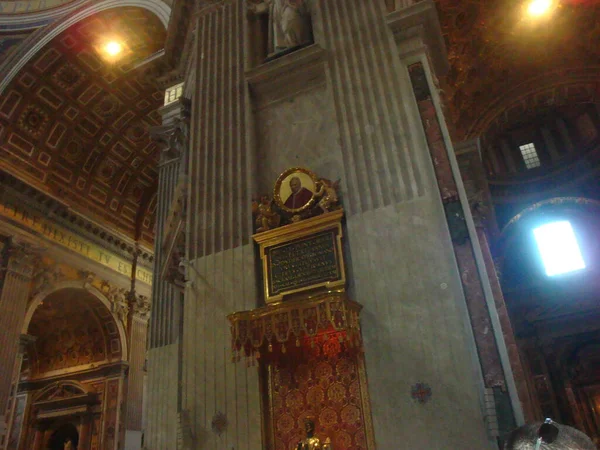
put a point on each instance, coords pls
(173, 135)
(141, 306)
(22, 258)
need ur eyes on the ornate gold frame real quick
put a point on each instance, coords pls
(277, 189)
(305, 228)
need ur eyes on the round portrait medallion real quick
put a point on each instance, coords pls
(295, 190)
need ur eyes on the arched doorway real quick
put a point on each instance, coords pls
(65, 437)
(73, 373)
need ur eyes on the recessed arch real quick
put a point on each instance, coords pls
(38, 39)
(530, 90)
(39, 298)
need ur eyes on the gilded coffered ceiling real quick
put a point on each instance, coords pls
(76, 125)
(503, 63)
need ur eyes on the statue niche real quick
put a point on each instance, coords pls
(289, 24)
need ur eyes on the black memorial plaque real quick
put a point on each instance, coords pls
(303, 263)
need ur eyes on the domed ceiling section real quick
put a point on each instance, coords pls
(76, 124)
(504, 63)
(72, 329)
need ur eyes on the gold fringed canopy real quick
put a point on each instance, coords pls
(293, 327)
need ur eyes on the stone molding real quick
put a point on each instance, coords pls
(287, 76)
(419, 24)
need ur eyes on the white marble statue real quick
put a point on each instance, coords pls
(289, 23)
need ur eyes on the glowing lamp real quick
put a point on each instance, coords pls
(113, 48)
(539, 7)
(558, 248)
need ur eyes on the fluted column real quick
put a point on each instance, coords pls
(221, 270)
(17, 274)
(163, 383)
(140, 306)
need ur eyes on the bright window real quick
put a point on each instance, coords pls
(558, 247)
(530, 156)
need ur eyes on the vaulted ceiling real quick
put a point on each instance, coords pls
(77, 126)
(504, 64)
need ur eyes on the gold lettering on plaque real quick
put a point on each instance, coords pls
(303, 263)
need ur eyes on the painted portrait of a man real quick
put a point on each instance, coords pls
(299, 196)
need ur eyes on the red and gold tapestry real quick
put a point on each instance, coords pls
(330, 388)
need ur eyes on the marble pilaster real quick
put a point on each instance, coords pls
(486, 336)
(163, 365)
(17, 274)
(140, 306)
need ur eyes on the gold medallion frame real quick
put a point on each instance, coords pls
(303, 174)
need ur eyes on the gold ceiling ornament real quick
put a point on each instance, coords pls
(298, 194)
(292, 328)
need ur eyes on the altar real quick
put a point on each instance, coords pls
(306, 341)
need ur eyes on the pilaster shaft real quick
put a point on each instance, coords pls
(17, 275)
(137, 357)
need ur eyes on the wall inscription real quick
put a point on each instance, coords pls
(72, 241)
(303, 262)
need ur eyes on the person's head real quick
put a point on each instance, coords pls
(309, 425)
(554, 437)
(295, 184)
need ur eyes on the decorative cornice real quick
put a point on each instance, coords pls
(30, 199)
(288, 75)
(420, 23)
(173, 135)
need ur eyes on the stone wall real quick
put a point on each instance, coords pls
(361, 125)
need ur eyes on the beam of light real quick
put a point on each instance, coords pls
(558, 248)
(539, 7)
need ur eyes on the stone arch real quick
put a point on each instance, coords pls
(554, 85)
(39, 298)
(38, 39)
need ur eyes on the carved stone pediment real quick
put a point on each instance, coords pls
(64, 394)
